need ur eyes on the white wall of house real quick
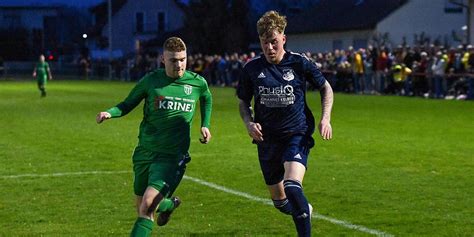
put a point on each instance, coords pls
(124, 33)
(29, 18)
(322, 42)
(471, 20)
(418, 16)
(415, 17)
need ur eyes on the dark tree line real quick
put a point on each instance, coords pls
(217, 26)
(15, 44)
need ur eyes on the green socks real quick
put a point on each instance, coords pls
(166, 205)
(142, 227)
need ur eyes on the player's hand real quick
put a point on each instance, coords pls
(102, 116)
(255, 131)
(206, 135)
(50, 78)
(34, 74)
(325, 129)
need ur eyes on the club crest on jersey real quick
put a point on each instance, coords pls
(288, 74)
(188, 89)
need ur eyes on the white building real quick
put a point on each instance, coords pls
(338, 24)
(135, 22)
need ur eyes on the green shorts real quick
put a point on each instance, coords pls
(41, 80)
(160, 171)
(41, 84)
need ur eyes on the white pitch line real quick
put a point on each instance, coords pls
(214, 186)
(61, 174)
(268, 202)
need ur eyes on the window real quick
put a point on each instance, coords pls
(336, 44)
(139, 22)
(453, 6)
(161, 22)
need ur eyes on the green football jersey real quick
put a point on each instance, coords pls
(42, 71)
(168, 111)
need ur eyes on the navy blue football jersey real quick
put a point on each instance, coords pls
(279, 91)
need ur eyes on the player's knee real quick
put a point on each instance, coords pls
(154, 204)
(292, 187)
(294, 193)
(149, 204)
(283, 206)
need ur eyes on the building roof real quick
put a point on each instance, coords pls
(342, 15)
(101, 8)
(100, 11)
(101, 18)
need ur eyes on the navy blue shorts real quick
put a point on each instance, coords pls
(272, 155)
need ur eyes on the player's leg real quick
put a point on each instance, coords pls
(279, 199)
(182, 164)
(294, 171)
(140, 179)
(273, 171)
(143, 224)
(294, 192)
(138, 202)
(169, 204)
(295, 157)
(41, 87)
(163, 175)
(149, 203)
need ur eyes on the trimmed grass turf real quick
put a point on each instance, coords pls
(399, 165)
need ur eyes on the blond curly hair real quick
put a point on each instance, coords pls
(271, 21)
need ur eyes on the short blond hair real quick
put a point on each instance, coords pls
(174, 44)
(271, 21)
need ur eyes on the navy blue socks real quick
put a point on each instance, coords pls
(300, 212)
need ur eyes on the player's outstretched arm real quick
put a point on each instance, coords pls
(254, 129)
(327, 98)
(50, 76)
(206, 135)
(102, 116)
(206, 109)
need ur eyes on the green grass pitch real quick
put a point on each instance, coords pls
(396, 165)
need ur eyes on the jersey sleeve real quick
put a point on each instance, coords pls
(137, 94)
(205, 100)
(313, 74)
(244, 88)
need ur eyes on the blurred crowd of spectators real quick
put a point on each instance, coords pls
(430, 72)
